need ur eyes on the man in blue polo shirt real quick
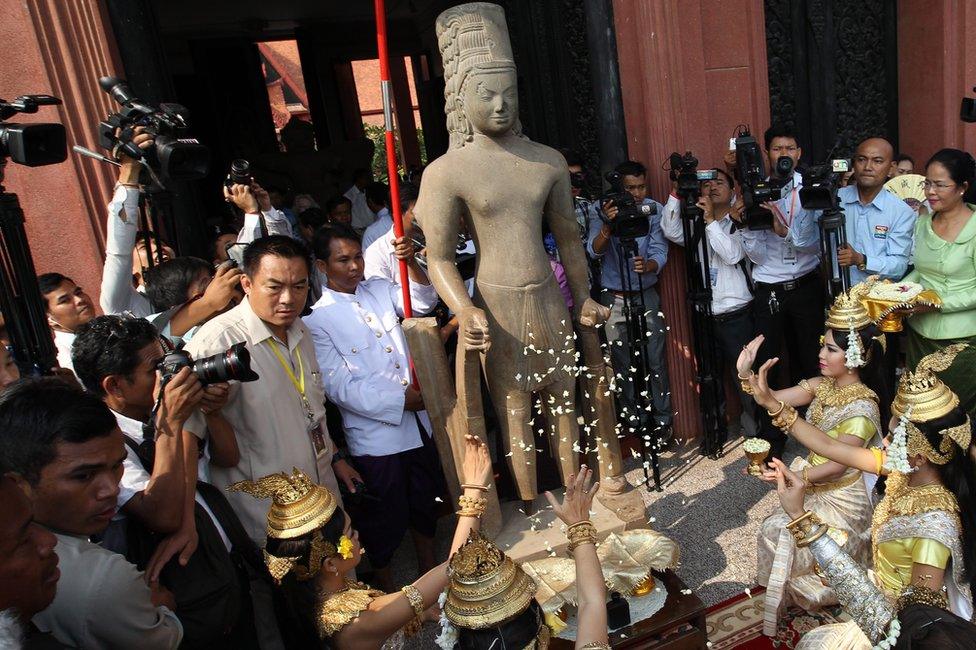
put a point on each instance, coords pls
(879, 224)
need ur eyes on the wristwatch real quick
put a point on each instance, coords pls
(863, 266)
(340, 454)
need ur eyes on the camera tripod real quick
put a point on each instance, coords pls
(833, 236)
(635, 316)
(707, 356)
(20, 297)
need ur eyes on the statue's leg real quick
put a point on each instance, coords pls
(559, 401)
(515, 417)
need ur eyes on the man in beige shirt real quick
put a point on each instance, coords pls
(278, 419)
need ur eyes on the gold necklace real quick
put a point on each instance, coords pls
(902, 499)
(829, 396)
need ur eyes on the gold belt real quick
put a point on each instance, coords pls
(842, 482)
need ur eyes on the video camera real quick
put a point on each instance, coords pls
(234, 363)
(174, 155)
(967, 111)
(684, 171)
(756, 188)
(31, 144)
(820, 182)
(632, 220)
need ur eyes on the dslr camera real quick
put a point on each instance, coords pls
(234, 363)
(174, 155)
(684, 171)
(632, 220)
(31, 144)
(756, 188)
(240, 173)
(819, 191)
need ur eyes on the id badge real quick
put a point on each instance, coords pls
(713, 276)
(318, 439)
(789, 254)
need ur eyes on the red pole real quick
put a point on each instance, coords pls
(391, 158)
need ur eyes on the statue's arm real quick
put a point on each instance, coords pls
(562, 224)
(438, 210)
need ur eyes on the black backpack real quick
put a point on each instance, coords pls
(212, 591)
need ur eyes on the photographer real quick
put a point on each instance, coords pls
(732, 313)
(68, 307)
(117, 359)
(642, 269)
(66, 447)
(879, 225)
(256, 205)
(359, 342)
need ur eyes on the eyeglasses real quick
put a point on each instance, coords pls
(937, 186)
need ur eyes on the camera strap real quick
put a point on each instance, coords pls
(744, 265)
(299, 381)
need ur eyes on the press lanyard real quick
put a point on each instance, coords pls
(297, 382)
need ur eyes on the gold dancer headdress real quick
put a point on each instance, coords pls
(923, 397)
(298, 507)
(849, 313)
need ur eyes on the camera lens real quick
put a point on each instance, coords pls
(234, 364)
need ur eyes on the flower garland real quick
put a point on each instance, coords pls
(854, 355)
(897, 457)
(889, 642)
(448, 637)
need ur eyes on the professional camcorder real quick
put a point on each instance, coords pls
(174, 156)
(632, 220)
(31, 144)
(684, 171)
(820, 182)
(756, 188)
(232, 364)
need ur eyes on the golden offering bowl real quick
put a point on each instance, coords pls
(756, 460)
(643, 587)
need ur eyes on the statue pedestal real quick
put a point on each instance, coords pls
(525, 538)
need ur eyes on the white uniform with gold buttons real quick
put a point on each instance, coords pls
(362, 353)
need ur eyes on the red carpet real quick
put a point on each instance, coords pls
(737, 623)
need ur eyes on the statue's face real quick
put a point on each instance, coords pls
(490, 101)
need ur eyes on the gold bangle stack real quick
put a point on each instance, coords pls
(472, 506)
(920, 594)
(417, 603)
(580, 533)
(785, 417)
(744, 383)
(802, 529)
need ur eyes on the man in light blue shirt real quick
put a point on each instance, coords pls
(641, 273)
(879, 225)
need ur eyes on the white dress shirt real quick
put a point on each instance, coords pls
(362, 216)
(730, 290)
(135, 478)
(384, 222)
(117, 293)
(360, 344)
(62, 343)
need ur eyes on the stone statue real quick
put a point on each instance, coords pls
(502, 186)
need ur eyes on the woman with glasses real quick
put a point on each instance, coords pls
(945, 261)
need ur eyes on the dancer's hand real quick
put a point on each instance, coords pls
(790, 489)
(476, 466)
(747, 358)
(761, 391)
(578, 498)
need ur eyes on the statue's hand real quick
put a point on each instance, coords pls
(473, 329)
(593, 313)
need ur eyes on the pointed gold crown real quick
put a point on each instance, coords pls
(487, 588)
(848, 309)
(921, 393)
(298, 506)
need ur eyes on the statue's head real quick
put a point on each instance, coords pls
(480, 88)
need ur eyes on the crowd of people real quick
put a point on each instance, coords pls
(158, 505)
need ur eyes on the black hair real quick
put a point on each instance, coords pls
(301, 595)
(573, 159)
(408, 196)
(377, 193)
(48, 282)
(872, 372)
(109, 345)
(219, 231)
(322, 241)
(728, 176)
(631, 168)
(904, 156)
(779, 131)
(335, 202)
(276, 245)
(515, 633)
(313, 218)
(37, 414)
(961, 168)
(959, 477)
(924, 627)
(360, 172)
(168, 282)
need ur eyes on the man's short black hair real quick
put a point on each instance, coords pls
(779, 131)
(313, 218)
(361, 172)
(37, 414)
(631, 168)
(904, 156)
(167, 282)
(220, 231)
(109, 345)
(408, 196)
(335, 202)
(48, 282)
(324, 236)
(276, 245)
(378, 194)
